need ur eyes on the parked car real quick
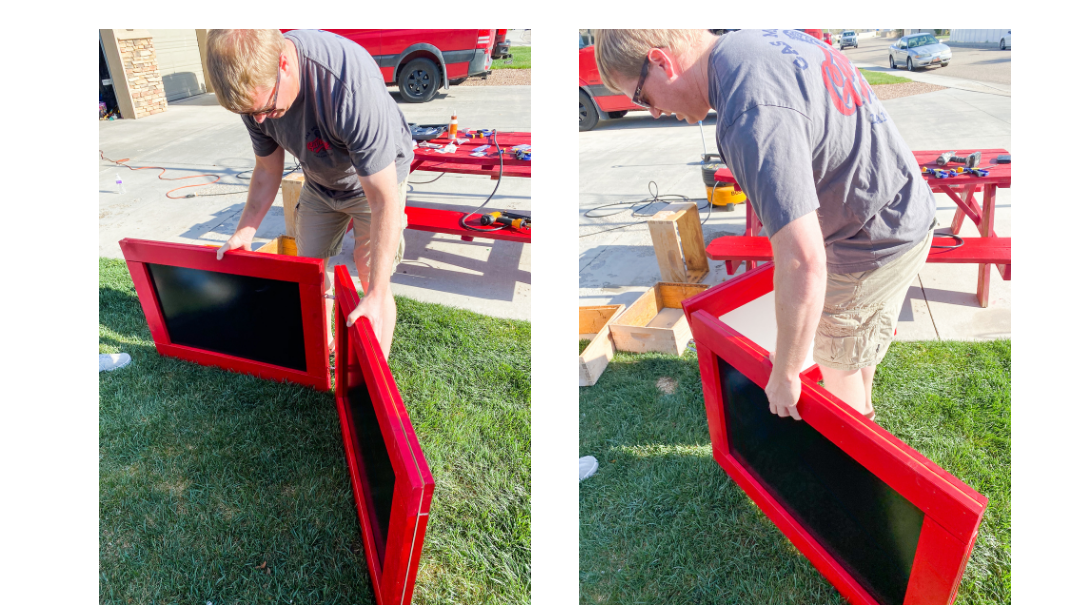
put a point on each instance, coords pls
(596, 101)
(1006, 41)
(420, 61)
(502, 46)
(919, 50)
(848, 38)
(827, 38)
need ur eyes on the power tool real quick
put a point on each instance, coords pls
(970, 160)
(506, 218)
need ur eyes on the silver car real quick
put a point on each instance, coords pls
(848, 38)
(918, 50)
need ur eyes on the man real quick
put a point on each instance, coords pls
(848, 214)
(322, 98)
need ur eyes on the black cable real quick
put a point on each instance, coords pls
(498, 149)
(440, 176)
(940, 246)
(637, 212)
(285, 175)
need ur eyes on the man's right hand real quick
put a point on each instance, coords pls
(239, 240)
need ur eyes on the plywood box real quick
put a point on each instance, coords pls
(679, 243)
(595, 325)
(655, 322)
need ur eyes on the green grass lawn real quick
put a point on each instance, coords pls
(883, 78)
(522, 59)
(661, 523)
(219, 487)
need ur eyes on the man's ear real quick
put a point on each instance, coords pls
(664, 61)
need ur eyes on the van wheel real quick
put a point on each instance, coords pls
(891, 61)
(910, 65)
(418, 81)
(589, 115)
(1002, 44)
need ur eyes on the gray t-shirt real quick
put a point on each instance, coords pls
(801, 130)
(343, 123)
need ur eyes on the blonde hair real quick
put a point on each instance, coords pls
(239, 61)
(621, 52)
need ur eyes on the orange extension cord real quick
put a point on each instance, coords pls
(159, 176)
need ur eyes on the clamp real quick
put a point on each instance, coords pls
(974, 171)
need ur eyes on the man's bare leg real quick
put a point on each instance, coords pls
(867, 379)
(851, 387)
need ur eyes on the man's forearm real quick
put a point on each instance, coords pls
(385, 236)
(799, 287)
(260, 197)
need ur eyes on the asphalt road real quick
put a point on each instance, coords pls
(983, 65)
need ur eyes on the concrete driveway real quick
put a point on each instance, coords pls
(619, 158)
(196, 136)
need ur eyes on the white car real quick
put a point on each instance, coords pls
(1006, 41)
(848, 38)
(918, 50)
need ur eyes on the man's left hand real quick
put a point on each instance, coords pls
(371, 307)
(783, 393)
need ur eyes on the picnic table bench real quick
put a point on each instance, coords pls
(986, 251)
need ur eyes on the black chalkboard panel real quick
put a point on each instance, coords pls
(376, 471)
(862, 522)
(253, 318)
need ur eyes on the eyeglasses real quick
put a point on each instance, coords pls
(273, 104)
(640, 84)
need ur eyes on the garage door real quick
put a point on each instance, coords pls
(180, 63)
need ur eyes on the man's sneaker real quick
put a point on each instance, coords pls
(108, 362)
(587, 466)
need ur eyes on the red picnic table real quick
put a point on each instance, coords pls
(463, 162)
(985, 251)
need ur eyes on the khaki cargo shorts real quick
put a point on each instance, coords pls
(321, 223)
(861, 311)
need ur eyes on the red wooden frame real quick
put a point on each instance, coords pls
(952, 510)
(307, 272)
(394, 578)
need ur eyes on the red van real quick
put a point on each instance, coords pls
(420, 61)
(594, 99)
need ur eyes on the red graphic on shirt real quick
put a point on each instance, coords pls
(847, 88)
(317, 146)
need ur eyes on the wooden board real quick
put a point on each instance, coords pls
(291, 185)
(282, 245)
(595, 322)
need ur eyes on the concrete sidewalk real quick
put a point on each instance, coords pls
(620, 157)
(196, 136)
(990, 88)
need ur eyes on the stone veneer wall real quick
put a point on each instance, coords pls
(143, 77)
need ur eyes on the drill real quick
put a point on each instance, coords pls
(970, 161)
(506, 218)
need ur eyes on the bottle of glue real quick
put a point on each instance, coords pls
(453, 126)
